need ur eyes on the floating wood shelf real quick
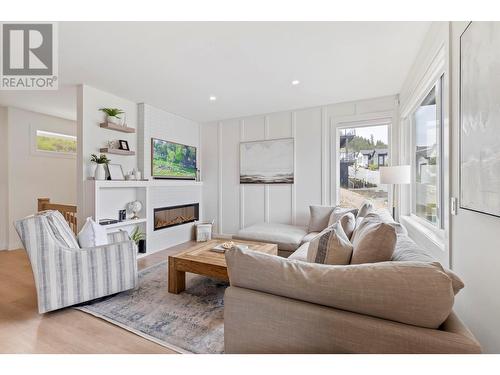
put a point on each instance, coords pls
(119, 128)
(116, 151)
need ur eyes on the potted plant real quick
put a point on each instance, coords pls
(113, 115)
(140, 239)
(100, 161)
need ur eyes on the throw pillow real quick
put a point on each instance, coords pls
(319, 217)
(330, 247)
(373, 241)
(92, 234)
(365, 209)
(348, 223)
(338, 212)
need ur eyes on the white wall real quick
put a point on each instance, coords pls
(473, 247)
(4, 198)
(156, 123)
(32, 175)
(236, 206)
(92, 137)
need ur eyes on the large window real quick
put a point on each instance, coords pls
(362, 151)
(427, 134)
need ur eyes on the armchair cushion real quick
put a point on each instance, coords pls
(61, 229)
(414, 293)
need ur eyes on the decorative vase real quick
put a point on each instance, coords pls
(100, 172)
(91, 169)
(142, 246)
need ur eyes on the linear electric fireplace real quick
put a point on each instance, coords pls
(166, 217)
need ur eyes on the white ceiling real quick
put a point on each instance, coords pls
(248, 66)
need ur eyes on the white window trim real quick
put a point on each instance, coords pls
(436, 69)
(382, 118)
(36, 152)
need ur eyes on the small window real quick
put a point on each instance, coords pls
(57, 143)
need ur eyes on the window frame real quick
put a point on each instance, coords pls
(384, 119)
(36, 152)
(438, 227)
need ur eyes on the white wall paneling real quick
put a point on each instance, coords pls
(241, 205)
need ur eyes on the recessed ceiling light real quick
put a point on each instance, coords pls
(212, 98)
(295, 82)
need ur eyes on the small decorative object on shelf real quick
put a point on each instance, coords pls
(135, 207)
(122, 215)
(198, 175)
(204, 231)
(113, 115)
(123, 145)
(140, 239)
(108, 221)
(101, 161)
(115, 172)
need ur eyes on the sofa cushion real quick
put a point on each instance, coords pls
(414, 293)
(330, 246)
(373, 241)
(319, 217)
(407, 250)
(287, 237)
(60, 229)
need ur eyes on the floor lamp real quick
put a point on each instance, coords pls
(395, 175)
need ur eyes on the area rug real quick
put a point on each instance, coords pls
(189, 322)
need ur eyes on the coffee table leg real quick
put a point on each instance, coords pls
(176, 279)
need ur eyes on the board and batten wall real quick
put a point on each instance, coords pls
(234, 205)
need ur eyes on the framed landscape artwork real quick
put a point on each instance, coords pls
(267, 162)
(480, 118)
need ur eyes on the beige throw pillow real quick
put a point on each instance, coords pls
(373, 241)
(365, 209)
(330, 247)
(348, 223)
(320, 216)
(338, 212)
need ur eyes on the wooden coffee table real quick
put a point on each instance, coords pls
(201, 260)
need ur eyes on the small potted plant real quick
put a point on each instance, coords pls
(100, 161)
(140, 239)
(113, 115)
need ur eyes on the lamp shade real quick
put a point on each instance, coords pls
(395, 175)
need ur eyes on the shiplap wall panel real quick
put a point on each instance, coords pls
(315, 160)
(230, 176)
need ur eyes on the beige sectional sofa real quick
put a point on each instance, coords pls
(278, 305)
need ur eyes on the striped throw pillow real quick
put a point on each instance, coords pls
(330, 247)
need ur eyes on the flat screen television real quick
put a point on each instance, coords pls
(172, 160)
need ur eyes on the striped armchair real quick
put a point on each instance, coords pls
(65, 274)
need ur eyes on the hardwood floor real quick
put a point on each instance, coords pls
(23, 330)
